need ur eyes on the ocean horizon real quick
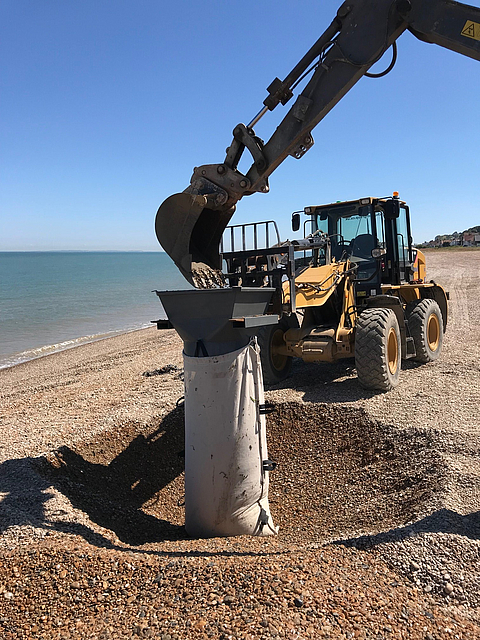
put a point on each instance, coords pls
(54, 300)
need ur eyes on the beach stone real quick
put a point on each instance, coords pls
(117, 436)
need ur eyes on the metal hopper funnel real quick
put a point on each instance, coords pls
(212, 322)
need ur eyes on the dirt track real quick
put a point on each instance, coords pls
(91, 479)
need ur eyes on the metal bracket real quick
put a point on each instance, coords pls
(248, 322)
(219, 183)
(268, 407)
(163, 324)
(244, 137)
(303, 146)
(410, 347)
(269, 465)
(300, 108)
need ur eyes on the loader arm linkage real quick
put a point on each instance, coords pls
(189, 225)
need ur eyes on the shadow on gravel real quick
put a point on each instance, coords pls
(326, 382)
(339, 475)
(442, 521)
(23, 494)
(26, 497)
(330, 382)
(125, 480)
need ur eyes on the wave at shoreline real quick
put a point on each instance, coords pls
(46, 350)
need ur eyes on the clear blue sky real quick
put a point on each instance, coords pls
(108, 104)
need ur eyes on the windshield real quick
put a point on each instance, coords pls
(351, 230)
(344, 223)
(353, 226)
(321, 225)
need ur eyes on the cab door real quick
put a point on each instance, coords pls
(404, 243)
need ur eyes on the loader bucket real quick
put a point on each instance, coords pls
(190, 233)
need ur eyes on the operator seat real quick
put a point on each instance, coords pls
(363, 245)
(341, 250)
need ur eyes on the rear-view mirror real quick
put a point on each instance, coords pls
(391, 209)
(295, 221)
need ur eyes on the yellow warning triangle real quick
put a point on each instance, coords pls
(469, 30)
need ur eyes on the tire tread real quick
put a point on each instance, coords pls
(370, 360)
(417, 315)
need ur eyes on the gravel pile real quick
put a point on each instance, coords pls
(377, 497)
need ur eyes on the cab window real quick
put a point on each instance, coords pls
(350, 228)
(402, 235)
(380, 224)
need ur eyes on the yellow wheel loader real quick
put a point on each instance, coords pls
(355, 287)
(360, 288)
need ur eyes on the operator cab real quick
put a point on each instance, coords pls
(374, 234)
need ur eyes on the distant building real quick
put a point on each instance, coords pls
(471, 239)
(468, 238)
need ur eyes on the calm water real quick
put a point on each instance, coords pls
(50, 301)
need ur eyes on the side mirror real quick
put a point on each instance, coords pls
(295, 221)
(392, 209)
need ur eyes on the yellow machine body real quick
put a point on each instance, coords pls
(315, 286)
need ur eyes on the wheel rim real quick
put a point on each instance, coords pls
(433, 332)
(278, 360)
(392, 351)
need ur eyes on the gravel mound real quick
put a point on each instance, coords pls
(338, 473)
(342, 473)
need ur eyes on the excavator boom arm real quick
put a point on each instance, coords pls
(189, 225)
(367, 30)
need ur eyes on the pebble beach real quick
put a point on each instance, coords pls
(377, 498)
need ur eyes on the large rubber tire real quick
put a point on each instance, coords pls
(425, 324)
(378, 353)
(275, 367)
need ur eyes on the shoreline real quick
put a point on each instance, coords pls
(66, 345)
(56, 300)
(68, 395)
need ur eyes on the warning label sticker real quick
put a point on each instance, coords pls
(471, 30)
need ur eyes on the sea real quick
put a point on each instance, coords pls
(55, 300)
